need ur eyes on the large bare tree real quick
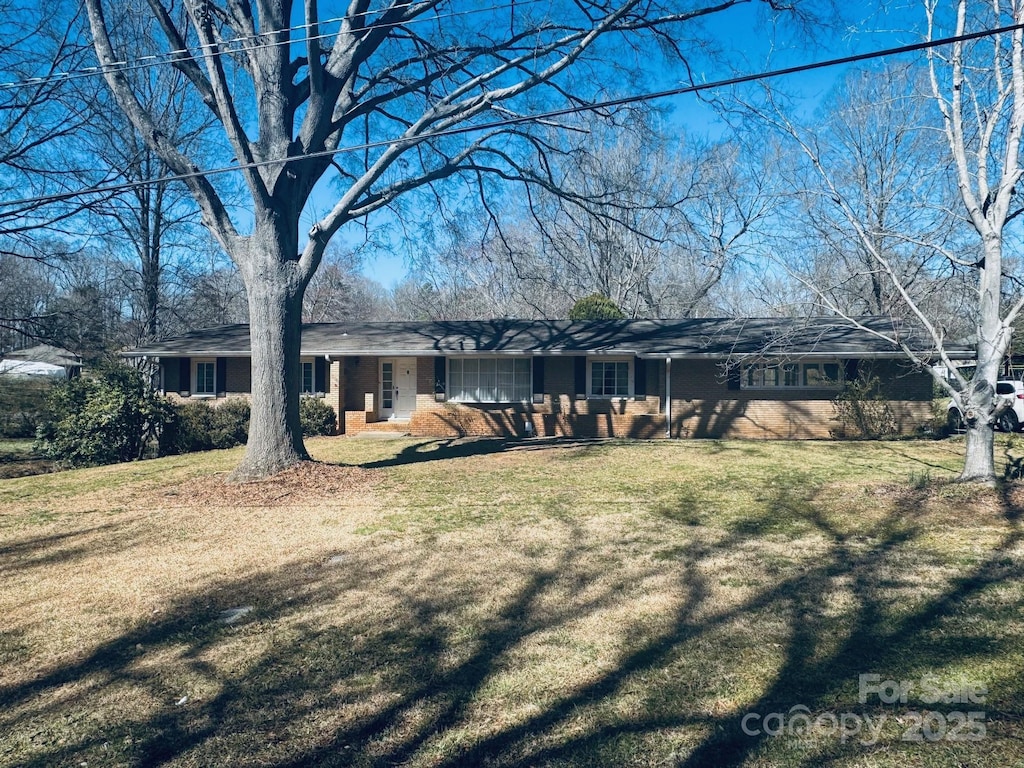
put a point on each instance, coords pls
(388, 78)
(979, 89)
(898, 250)
(879, 138)
(36, 126)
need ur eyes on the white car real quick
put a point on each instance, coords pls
(1009, 420)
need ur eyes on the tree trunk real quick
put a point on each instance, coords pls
(151, 290)
(993, 342)
(979, 419)
(152, 236)
(979, 459)
(275, 331)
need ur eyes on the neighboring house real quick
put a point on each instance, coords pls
(50, 355)
(759, 378)
(30, 368)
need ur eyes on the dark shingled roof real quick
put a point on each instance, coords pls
(703, 337)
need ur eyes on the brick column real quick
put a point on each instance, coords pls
(336, 396)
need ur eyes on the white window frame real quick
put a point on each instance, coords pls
(212, 361)
(387, 401)
(630, 391)
(753, 375)
(527, 392)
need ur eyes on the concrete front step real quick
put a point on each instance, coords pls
(386, 427)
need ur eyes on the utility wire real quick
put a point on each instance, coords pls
(238, 44)
(539, 116)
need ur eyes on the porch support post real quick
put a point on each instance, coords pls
(668, 397)
(336, 387)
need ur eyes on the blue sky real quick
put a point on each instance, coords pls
(749, 45)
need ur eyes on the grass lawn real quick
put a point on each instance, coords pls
(432, 603)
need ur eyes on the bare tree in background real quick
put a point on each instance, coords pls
(35, 128)
(400, 74)
(660, 227)
(728, 202)
(146, 225)
(26, 288)
(214, 295)
(655, 230)
(879, 138)
(35, 122)
(339, 291)
(152, 224)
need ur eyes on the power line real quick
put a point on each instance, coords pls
(238, 44)
(519, 120)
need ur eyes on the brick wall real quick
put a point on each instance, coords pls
(703, 406)
(361, 375)
(336, 393)
(239, 375)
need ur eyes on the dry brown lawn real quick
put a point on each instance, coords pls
(431, 603)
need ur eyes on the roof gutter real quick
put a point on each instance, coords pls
(955, 355)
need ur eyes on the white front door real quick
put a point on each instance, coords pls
(397, 387)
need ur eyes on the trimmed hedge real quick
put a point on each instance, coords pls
(116, 416)
(318, 418)
(199, 426)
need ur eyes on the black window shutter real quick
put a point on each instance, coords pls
(538, 375)
(319, 374)
(639, 378)
(732, 377)
(222, 375)
(185, 374)
(580, 376)
(851, 369)
(440, 375)
(169, 369)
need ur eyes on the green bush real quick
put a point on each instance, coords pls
(595, 307)
(230, 423)
(189, 429)
(318, 418)
(197, 426)
(112, 417)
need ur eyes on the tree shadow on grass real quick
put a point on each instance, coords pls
(440, 450)
(468, 447)
(25, 554)
(883, 637)
(342, 663)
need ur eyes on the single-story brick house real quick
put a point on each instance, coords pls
(757, 378)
